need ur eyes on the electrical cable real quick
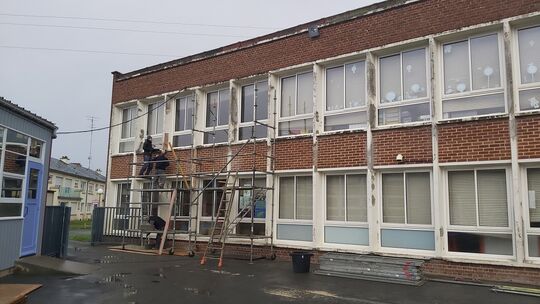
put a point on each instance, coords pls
(85, 51)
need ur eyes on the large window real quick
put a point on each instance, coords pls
(217, 117)
(254, 94)
(15, 146)
(403, 88)
(127, 136)
(247, 195)
(346, 198)
(473, 81)
(478, 212)
(123, 195)
(296, 198)
(296, 106)
(533, 195)
(529, 63)
(183, 122)
(155, 122)
(346, 97)
(406, 198)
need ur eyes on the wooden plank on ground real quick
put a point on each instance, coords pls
(16, 293)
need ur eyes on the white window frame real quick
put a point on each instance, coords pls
(479, 229)
(529, 231)
(160, 107)
(405, 226)
(218, 128)
(345, 222)
(296, 117)
(239, 110)
(345, 110)
(236, 205)
(408, 102)
(189, 98)
(475, 93)
(294, 220)
(131, 124)
(520, 86)
(211, 218)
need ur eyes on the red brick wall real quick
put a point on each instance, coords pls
(474, 141)
(389, 26)
(341, 150)
(436, 268)
(294, 153)
(528, 131)
(214, 158)
(120, 167)
(413, 143)
(244, 160)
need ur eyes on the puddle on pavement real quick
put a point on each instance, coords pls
(108, 259)
(118, 279)
(225, 272)
(197, 291)
(293, 294)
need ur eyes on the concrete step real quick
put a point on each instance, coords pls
(50, 265)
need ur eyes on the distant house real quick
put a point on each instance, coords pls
(25, 149)
(75, 186)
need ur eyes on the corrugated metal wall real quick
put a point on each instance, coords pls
(19, 123)
(10, 242)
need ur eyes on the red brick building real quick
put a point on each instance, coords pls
(408, 128)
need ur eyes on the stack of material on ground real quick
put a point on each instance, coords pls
(371, 267)
(16, 293)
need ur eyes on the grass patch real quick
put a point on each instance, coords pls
(80, 224)
(80, 238)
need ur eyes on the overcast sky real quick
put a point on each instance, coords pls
(67, 87)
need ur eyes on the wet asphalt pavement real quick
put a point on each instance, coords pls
(134, 278)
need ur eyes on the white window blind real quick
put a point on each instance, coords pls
(462, 198)
(393, 198)
(335, 198)
(357, 198)
(529, 54)
(286, 198)
(492, 198)
(418, 198)
(304, 198)
(533, 183)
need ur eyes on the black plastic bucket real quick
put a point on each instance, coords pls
(301, 261)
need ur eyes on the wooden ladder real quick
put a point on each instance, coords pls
(221, 226)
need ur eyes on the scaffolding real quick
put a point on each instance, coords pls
(199, 175)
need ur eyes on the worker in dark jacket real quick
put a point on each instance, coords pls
(148, 149)
(162, 162)
(159, 224)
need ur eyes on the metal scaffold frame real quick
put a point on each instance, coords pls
(190, 179)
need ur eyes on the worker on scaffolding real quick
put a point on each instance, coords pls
(162, 162)
(159, 224)
(148, 149)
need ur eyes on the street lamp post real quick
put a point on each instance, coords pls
(99, 192)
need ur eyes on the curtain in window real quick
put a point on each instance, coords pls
(418, 198)
(529, 54)
(462, 198)
(456, 67)
(304, 198)
(286, 198)
(393, 198)
(334, 88)
(485, 68)
(305, 93)
(492, 198)
(355, 84)
(390, 79)
(533, 183)
(357, 198)
(335, 197)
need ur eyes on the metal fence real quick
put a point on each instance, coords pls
(56, 231)
(115, 225)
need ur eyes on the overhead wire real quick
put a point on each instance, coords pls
(85, 51)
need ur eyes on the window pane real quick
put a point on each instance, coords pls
(132, 116)
(356, 120)
(245, 198)
(260, 132)
(529, 100)
(151, 124)
(126, 146)
(221, 136)
(248, 95)
(529, 54)
(11, 187)
(405, 114)
(35, 147)
(414, 74)
(480, 243)
(189, 112)
(208, 199)
(334, 89)
(262, 100)
(462, 198)
(304, 198)
(288, 96)
(393, 198)
(355, 84)
(534, 245)
(10, 209)
(126, 126)
(16, 142)
(473, 106)
(492, 199)
(456, 67)
(223, 107)
(182, 140)
(357, 198)
(286, 198)
(296, 127)
(180, 119)
(159, 117)
(335, 198)
(485, 69)
(211, 109)
(390, 90)
(533, 186)
(305, 93)
(14, 163)
(418, 198)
